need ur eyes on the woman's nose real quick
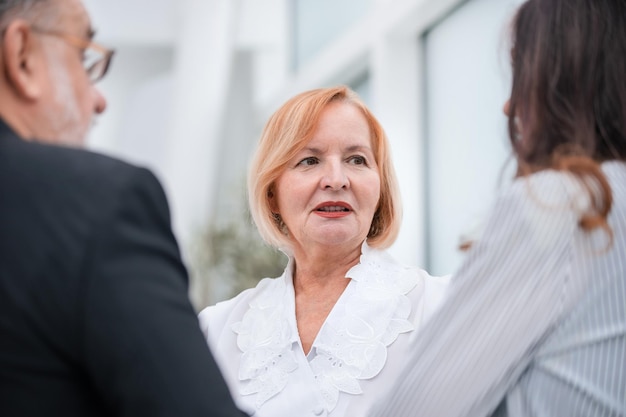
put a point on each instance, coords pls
(335, 177)
(507, 107)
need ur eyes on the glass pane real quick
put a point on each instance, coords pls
(317, 22)
(361, 86)
(467, 83)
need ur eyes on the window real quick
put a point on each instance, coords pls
(317, 22)
(467, 81)
(361, 86)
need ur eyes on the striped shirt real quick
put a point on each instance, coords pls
(535, 323)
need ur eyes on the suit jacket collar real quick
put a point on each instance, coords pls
(6, 132)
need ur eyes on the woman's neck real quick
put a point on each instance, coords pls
(318, 283)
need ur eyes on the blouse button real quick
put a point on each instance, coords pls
(318, 410)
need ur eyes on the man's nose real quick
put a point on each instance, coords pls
(100, 103)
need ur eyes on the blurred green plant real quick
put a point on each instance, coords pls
(226, 259)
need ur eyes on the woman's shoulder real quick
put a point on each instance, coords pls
(223, 312)
(435, 283)
(381, 260)
(549, 189)
(422, 284)
(435, 291)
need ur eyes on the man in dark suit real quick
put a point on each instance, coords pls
(94, 314)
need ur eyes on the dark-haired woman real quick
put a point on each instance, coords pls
(535, 324)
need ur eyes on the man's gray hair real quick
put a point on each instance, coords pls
(10, 9)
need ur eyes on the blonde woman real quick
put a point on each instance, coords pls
(327, 336)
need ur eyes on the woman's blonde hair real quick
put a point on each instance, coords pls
(286, 133)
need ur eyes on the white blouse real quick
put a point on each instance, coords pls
(359, 350)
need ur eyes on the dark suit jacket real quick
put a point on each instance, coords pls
(94, 314)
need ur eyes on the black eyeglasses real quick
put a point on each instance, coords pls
(96, 58)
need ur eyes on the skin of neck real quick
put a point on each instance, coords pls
(319, 279)
(323, 269)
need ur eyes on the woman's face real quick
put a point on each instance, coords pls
(329, 192)
(507, 112)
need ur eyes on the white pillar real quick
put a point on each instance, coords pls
(202, 68)
(396, 95)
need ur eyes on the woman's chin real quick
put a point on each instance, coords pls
(339, 240)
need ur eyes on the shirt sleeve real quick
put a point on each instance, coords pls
(504, 299)
(142, 346)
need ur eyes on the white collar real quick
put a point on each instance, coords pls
(352, 343)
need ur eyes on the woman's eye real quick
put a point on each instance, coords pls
(357, 160)
(308, 161)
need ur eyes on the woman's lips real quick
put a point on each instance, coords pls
(333, 209)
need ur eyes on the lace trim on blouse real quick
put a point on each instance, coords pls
(352, 343)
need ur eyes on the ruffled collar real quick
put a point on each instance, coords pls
(351, 345)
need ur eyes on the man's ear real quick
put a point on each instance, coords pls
(21, 58)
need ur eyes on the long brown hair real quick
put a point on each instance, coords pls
(567, 108)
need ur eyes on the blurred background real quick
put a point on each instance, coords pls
(193, 82)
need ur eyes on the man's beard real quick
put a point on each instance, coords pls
(64, 117)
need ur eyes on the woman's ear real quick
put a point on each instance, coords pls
(21, 59)
(271, 197)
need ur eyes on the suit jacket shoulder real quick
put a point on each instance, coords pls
(92, 280)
